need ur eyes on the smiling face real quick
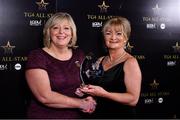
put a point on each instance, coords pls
(60, 27)
(116, 32)
(114, 37)
(61, 33)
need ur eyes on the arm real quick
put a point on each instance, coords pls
(132, 82)
(39, 84)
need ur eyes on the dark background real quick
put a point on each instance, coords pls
(21, 24)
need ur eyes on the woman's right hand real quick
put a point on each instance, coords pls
(88, 105)
(79, 93)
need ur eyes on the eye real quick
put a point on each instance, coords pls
(107, 33)
(66, 28)
(54, 27)
(119, 33)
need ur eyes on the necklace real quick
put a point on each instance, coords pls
(115, 62)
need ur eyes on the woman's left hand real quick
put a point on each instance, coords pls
(94, 90)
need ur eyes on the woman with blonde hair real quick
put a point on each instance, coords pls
(52, 73)
(118, 90)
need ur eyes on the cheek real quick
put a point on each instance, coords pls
(106, 42)
(53, 32)
(120, 38)
(106, 39)
(123, 38)
(70, 33)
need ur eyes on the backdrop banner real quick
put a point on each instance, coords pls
(154, 41)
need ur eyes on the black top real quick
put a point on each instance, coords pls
(112, 81)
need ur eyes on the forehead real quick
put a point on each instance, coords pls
(61, 21)
(114, 28)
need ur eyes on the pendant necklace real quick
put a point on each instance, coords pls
(115, 62)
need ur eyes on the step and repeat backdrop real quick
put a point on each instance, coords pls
(154, 41)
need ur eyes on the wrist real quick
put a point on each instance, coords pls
(82, 104)
(105, 94)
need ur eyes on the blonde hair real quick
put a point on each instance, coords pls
(120, 23)
(60, 16)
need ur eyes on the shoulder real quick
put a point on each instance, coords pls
(78, 53)
(37, 55)
(36, 52)
(37, 59)
(131, 66)
(130, 61)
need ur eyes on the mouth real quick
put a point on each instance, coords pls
(61, 37)
(113, 41)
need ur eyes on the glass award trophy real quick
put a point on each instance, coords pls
(90, 70)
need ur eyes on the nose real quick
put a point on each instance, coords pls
(60, 30)
(113, 36)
